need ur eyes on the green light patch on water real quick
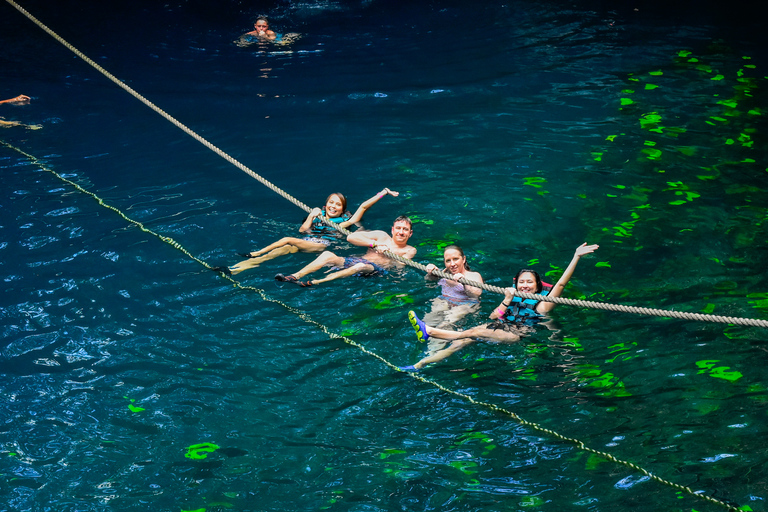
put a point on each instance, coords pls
(608, 383)
(465, 466)
(531, 501)
(389, 452)
(718, 372)
(200, 450)
(683, 191)
(594, 461)
(416, 219)
(621, 351)
(394, 300)
(133, 408)
(572, 341)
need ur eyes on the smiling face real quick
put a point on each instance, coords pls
(334, 205)
(455, 261)
(401, 232)
(526, 282)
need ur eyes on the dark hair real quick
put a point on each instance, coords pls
(461, 251)
(261, 17)
(539, 284)
(341, 197)
(404, 218)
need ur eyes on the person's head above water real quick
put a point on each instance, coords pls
(402, 229)
(528, 281)
(455, 260)
(261, 24)
(335, 205)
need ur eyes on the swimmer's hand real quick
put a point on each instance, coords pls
(21, 99)
(390, 192)
(585, 249)
(509, 294)
(316, 212)
(431, 268)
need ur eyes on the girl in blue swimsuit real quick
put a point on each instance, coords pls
(511, 320)
(318, 235)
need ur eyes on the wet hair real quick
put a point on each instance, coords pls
(341, 197)
(261, 17)
(404, 218)
(461, 251)
(536, 276)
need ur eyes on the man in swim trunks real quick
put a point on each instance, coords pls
(373, 263)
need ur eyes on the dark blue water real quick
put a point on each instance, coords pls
(518, 130)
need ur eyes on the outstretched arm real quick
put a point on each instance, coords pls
(21, 99)
(368, 238)
(358, 215)
(545, 307)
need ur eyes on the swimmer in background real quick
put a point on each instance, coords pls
(512, 320)
(457, 300)
(373, 263)
(261, 30)
(262, 33)
(21, 99)
(318, 237)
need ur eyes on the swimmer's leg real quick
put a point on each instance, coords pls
(480, 331)
(456, 313)
(326, 259)
(442, 354)
(422, 330)
(354, 269)
(297, 244)
(438, 314)
(282, 247)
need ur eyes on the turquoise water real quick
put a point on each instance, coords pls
(121, 357)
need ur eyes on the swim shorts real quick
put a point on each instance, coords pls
(352, 261)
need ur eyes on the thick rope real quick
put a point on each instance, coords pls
(334, 336)
(160, 111)
(495, 289)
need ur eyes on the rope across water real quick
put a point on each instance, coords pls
(494, 289)
(334, 336)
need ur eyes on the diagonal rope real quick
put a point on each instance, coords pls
(334, 336)
(683, 315)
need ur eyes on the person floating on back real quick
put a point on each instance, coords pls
(319, 236)
(371, 264)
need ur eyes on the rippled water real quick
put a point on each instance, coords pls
(537, 128)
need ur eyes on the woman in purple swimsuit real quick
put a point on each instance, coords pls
(456, 300)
